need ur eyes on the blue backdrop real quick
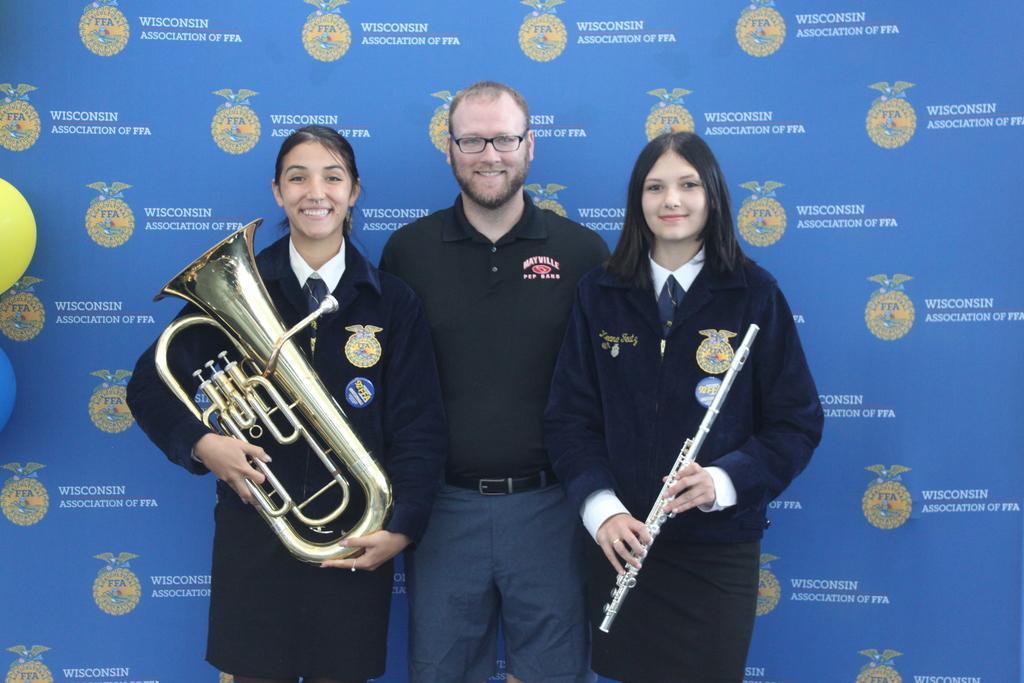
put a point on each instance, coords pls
(872, 152)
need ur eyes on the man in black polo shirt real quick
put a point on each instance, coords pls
(497, 277)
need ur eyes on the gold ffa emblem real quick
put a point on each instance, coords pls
(890, 312)
(761, 219)
(29, 666)
(24, 499)
(362, 349)
(887, 503)
(439, 121)
(760, 30)
(545, 199)
(668, 115)
(542, 35)
(103, 28)
(878, 670)
(116, 589)
(108, 406)
(225, 678)
(19, 121)
(891, 120)
(22, 315)
(326, 35)
(714, 355)
(768, 589)
(235, 127)
(109, 220)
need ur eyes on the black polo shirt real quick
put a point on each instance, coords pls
(497, 313)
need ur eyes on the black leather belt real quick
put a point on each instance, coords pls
(503, 487)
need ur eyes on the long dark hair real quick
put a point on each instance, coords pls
(333, 142)
(722, 252)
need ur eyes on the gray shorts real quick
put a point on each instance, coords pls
(516, 557)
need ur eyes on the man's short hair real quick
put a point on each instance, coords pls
(488, 90)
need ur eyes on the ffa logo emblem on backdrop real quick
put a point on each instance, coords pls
(116, 589)
(887, 503)
(235, 127)
(108, 406)
(760, 30)
(103, 28)
(19, 122)
(439, 121)
(668, 115)
(761, 219)
(109, 220)
(890, 312)
(542, 35)
(768, 589)
(24, 499)
(891, 120)
(545, 199)
(878, 669)
(29, 666)
(22, 315)
(325, 35)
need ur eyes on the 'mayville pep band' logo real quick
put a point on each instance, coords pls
(22, 315)
(760, 30)
(887, 503)
(761, 218)
(890, 312)
(29, 666)
(878, 670)
(24, 499)
(668, 115)
(439, 121)
(108, 405)
(235, 127)
(542, 35)
(109, 220)
(326, 35)
(116, 589)
(19, 121)
(545, 199)
(768, 589)
(891, 120)
(103, 28)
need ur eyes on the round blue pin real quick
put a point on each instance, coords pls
(359, 392)
(707, 389)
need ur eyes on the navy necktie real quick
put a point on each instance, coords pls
(667, 301)
(316, 290)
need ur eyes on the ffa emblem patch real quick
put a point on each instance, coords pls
(109, 220)
(23, 499)
(768, 589)
(326, 36)
(19, 121)
(542, 35)
(887, 503)
(891, 120)
(878, 669)
(116, 589)
(235, 127)
(103, 28)
(29, 667)
(714, 355)
(890, 312)
(760, 30)
(362, 349)
(439, 121)
(21, 313)
(108, 406)
(761, 219)
(545, 199)
(668, 115)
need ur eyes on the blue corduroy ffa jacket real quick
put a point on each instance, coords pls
(620, 410)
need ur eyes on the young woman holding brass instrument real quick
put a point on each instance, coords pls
(646, 348)
(273, 617)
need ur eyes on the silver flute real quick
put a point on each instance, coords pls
(688, 454)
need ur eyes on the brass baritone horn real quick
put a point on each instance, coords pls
(273, 377)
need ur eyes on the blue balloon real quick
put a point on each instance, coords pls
(7, 388)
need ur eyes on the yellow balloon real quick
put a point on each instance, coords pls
(17, 235)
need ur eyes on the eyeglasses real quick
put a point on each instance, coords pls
(502, 143)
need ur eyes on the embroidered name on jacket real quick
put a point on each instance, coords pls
(541, 268)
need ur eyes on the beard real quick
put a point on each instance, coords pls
(515, 176)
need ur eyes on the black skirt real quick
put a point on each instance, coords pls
(689, 619)
(274, 616)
